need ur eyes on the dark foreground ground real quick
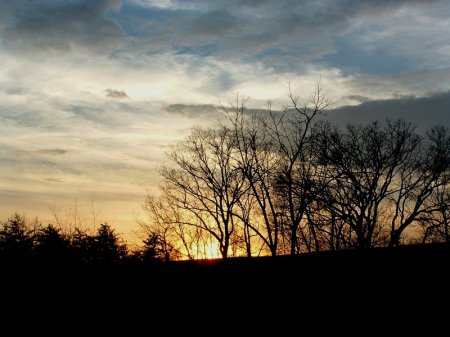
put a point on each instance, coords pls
(407, 264)
(405, 286)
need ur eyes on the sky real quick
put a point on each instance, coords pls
(93, 93)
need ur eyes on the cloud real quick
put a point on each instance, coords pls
(205, 50)
(53, 152)
(61, 26)
(165, 4)
(116, 94)
(357, 98)
(264, 29)
(54, 180)
(387, 44)
(193, 110)
(424, 112)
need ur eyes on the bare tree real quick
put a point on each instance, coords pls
(160, 237)
(273, 153)
(421, 182)
(205, 184)
(247, 237)
(257, 161)
(366, 165)
(295, 188)
(436, 224)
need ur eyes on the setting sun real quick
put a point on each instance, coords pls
(207, 250)
(212, 250)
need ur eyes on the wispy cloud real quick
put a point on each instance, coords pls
(54, 180)
(53, 152)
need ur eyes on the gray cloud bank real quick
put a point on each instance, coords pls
(60, 25)
(193, 110)
(284, 35)
(280, 32)
(424, 112)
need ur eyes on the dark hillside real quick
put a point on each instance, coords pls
(425, 262)
(347, 284)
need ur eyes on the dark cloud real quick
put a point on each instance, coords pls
(193, 110)
(215, 23)
(424, 112)
(116, 94)
(53, 152)
(282, 34)
(61, 25)
(210, 111)
(263, 29)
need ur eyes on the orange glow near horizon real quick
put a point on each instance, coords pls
(207, 250)
(212, 250)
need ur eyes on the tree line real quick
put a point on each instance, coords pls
(287, 182)
(29, 242)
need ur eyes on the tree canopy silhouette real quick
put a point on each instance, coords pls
(285, 182)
